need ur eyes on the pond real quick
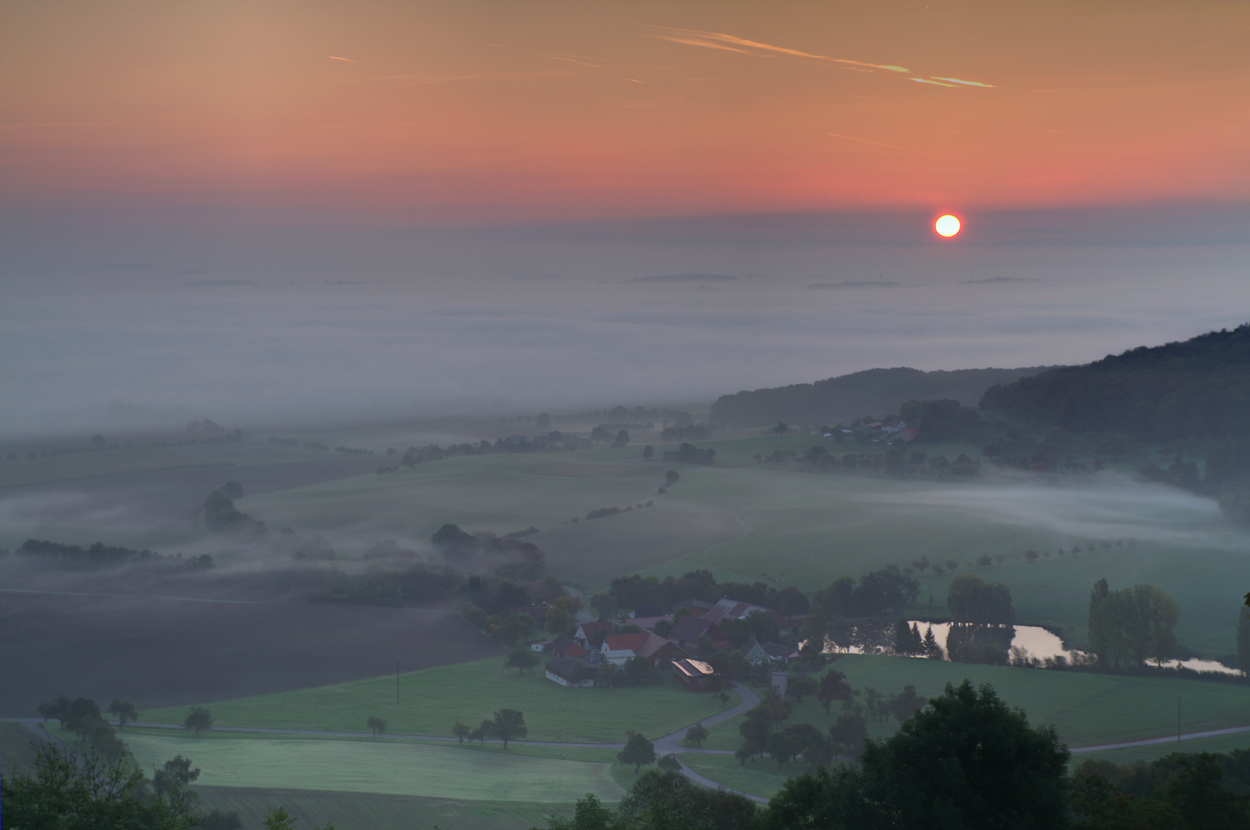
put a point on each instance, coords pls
(1027, 642)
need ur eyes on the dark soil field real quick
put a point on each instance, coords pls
(168, 652)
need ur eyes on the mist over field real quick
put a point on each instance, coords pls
(508, 321)
(518, 415)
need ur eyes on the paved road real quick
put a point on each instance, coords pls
(1171, 739)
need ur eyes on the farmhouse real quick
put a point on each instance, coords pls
(693, 675)
(758, 653)
(697, 607)
(586, 632)
(729, 609)
(572, 671)
(687, 631)
(618, 648)
(559, 647)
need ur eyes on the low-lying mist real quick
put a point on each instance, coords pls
(246, 343)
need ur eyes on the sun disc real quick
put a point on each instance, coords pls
(947, 226)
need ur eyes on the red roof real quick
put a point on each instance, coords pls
(625, 642)
(591, 628)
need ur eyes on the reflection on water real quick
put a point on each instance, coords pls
(1200, 665)
(1029, 642)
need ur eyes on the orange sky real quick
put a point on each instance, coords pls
(520, 111)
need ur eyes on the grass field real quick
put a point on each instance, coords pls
(759, 777)
(396, 768)
(432, 700)
(488, 492)
(806, 529)
(1087, 709)
(28, 471)
(349, 811)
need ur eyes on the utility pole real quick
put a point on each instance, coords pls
(397, 681)
(1178, 701)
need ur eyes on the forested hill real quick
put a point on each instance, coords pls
(873, 392)
(1199, 388)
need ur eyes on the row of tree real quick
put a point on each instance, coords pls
(100, 556)
(506, 725)
(1131, 625)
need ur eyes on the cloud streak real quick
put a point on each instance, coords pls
(717, 40)
(879, 144)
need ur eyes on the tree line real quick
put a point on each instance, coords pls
(1197, 388)
(100, 556)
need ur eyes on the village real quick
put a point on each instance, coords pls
(650, 645)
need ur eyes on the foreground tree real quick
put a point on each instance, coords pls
(508, 725)
(638, 751)
(125, 712)
(967, 760)
(173, 781)
(669, 801)
(64, 791)
(1131, 625)
(521, 658)
(198, 718)
(802, 686)
(588, 814)
(56, 708)
(669, 763)
(696, 734)
(833, 686)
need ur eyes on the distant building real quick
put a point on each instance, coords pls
(729, 609)
(687, 631)
(779, 683)
(586, 632)
(693, 675)
(618, 648)
(696, 607)
(572, 672)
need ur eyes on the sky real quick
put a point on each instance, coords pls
(268, 209)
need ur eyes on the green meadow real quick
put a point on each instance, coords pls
(1086, 709)
(791, 525)
(390, 767)
(761, 777)
(377, 811)
(499, 493)
(432, 700)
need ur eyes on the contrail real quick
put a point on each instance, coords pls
(879, 144)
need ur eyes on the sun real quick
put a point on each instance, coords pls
(946, 226)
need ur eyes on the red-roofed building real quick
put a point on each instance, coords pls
(618, 648)
(586, 632)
